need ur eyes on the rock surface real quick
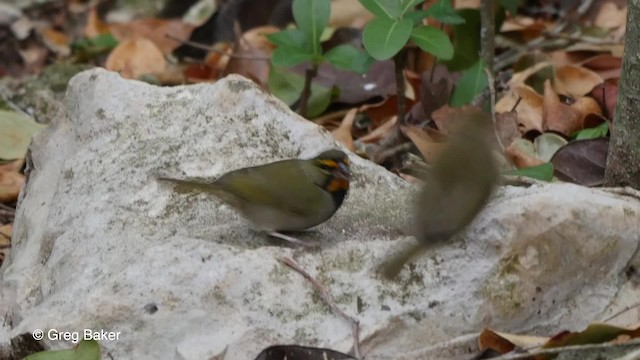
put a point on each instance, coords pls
(100, 244)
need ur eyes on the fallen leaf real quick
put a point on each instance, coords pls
(529, 108)
(429, 149)
(575, 81)
(521, 153)
(547, 144)
(253, 51)
(95, 26)
(56, 41)
(155, 30)
(136, 57)
(16, 131)
(507, 127)
(10, 185)
(343, 132)
(610, 16)
(605, 65)
(582, 162)
(606, 94)
(379, 132)
(587, 105)
(557, 116)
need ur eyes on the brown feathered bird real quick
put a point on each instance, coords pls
(458, 186)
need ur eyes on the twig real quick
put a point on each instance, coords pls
(7, 213)
(520, 180)
(8, 208)
(487, 33)
(212, 49)
(384, 154)
(328, 300)
(398, 61)
(626, 191)
(627, 308)
(492, 104)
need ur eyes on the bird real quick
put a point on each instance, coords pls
(282, 196)
(458, 186)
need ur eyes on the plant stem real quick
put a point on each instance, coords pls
(487, 34)
(398, 61)
(309, 74)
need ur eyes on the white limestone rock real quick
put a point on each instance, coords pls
(100, 244)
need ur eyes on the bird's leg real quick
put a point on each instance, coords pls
(287, 238)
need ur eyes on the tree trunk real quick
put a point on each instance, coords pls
(623, 160)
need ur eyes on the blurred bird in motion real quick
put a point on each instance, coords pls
(457, 188)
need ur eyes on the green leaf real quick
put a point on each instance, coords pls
(416, 16)
(347, 57)
(471, 83)
(291, 38)
(409, 5)
(312, 16)
(511, 5)
(289, 56)
(592, 133)
(444, 12)
(466, 41)
(433, 41)
(285, 85)
(319, 100)
(85, 350)
(16, 131)
(384, 9)
(542, 172)
(384, 38)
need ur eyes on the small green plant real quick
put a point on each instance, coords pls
(85, 350)
(297, 46)
(395, 23)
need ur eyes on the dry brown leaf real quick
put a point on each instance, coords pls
(520, 341)
(10, 184)
(136, 57)
(610, 16)
(529, 108)
(520, 157)
(425, 144)
(56, 41)
(95, 26)
(616, 50)
(575, 81)
(254, 44)
(605, 65)
(343, 132)
(507, 127)
(155, 30)
(587, 105)
(348, 13)
(521, 77)
(557, 116)
(379, 132)
(466, 4)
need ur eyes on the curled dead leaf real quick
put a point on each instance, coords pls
(557, 116)
(529, 108)
(587, 105)
(575, 81)
(159, 31)
(10, 185)
(136, 57)
(521, 154)
(343, 132)
(425, 144)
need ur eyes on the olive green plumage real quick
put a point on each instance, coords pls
(457, 188)
(287, 195)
